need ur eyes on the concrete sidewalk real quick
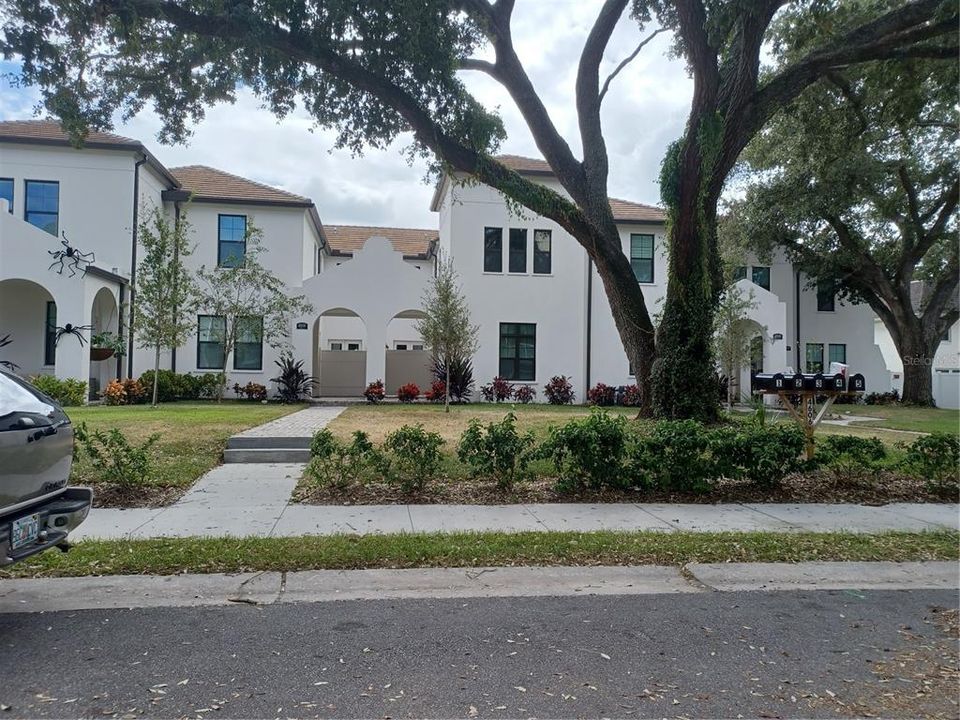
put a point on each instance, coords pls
(267, 588)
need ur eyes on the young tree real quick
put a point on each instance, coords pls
(374, 70)
(246, 303)
(858, 182)
(732, 335)
(166, 291)
(447, 329)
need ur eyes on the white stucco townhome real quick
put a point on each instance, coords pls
(537, 300)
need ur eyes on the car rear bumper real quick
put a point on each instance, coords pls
(58, 516)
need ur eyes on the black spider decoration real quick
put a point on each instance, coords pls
(71, 258)
(69, 329)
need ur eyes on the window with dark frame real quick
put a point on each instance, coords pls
(50, 335)
(210, 332)
(837, 353)
(761, 276)
(740, 273)
(641, 257)
(814, 357)
(493, 249)
(542, 252)
(248, 348)
(518, 250)
(231, 240)
(826, 297)
(6, 192)
(41, 205)
(518, 351)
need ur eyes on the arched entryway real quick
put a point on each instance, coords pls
(104, 318)
(754, 362)
(28, 317)
(407, 359)
(339, 353)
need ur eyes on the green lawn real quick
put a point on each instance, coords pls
(902, 417)
(207, 555)
(192, 435)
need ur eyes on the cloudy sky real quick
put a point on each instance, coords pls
(643, 112)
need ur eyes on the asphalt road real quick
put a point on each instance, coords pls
(758, 654)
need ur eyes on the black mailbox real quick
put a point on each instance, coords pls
(796, 382)
(837, 382)
(814, 382)
(767, 381)
(857, 383)
(779, 382)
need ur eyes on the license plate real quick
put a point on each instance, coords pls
(24, 531)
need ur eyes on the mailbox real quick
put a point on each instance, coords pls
(837, 383)
(768, 382)
(814, 382)
(857, 383)
(796, 382)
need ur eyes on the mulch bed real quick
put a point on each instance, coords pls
(813, 487)
(111, 495)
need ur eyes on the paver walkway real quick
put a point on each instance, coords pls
(303, 423)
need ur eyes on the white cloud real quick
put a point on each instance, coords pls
(643, 112)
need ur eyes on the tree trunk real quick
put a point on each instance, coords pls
(446, 386)
(917, 357)
(156, 373)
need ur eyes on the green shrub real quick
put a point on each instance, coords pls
(67, 392)
(413, 457)
(935, 458)
(181, 386)
(498, 451)
(766, 454)
(672, 455)
(337, 464)
(588, 452)
(114, 457)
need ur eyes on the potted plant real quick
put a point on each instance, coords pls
(106, 344)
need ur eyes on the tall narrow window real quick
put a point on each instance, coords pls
(248, 350)
(232, 240)
(211, 330)
(493, 249)
(838, 353)
(518, 250)
(814, 357)
(42, 205)
(825, 297)
(6, 192)
(50, 335)
(761, 276)
(518, 351)
(542, 252)
(641, 257)
(756, 354)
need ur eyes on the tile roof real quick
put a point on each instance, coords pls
(525, 164)
(207, 183)
(50, 130)
(350, 238)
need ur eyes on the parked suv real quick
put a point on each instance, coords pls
(37, 508)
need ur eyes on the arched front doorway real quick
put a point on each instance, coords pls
(339, 353)
(754, 363)
(407, 359)
(28, 316)
(104, 318)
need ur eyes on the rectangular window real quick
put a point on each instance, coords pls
(401, 346)
(41, 206)
(518, 351)
(838, 353)
(248, 349)
(50, 335)
(814, 357)
(518, 250)
(210, 332)
(542, 252)
(231, 240)
(6, 192)
(825, 297)
(761, 276)
(641, 257)
(493, 249)
(353, 346)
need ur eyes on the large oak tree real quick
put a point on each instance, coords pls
(375, 69)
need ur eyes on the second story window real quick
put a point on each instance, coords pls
(231, 240)
(826, 298)
(740, 273)
(6, 192)
(42, 205)
(761, 276)
(518, 250)
(641, 257)
(493, 249)
(542, 252)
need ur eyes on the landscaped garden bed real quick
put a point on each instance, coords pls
(473, 455)
(190, 438)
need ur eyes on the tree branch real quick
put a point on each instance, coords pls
(479, 65)
(943, 299)
(626, 61)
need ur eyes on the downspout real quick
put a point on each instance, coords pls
(176, 257)
(133, 258)
(589, 320)
(796, 324)
(120, 330)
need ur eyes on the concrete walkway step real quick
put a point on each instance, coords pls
(249, 442)
(267, 455)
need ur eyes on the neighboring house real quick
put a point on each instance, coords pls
(538, 301)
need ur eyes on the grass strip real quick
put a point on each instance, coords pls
(208, 555)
